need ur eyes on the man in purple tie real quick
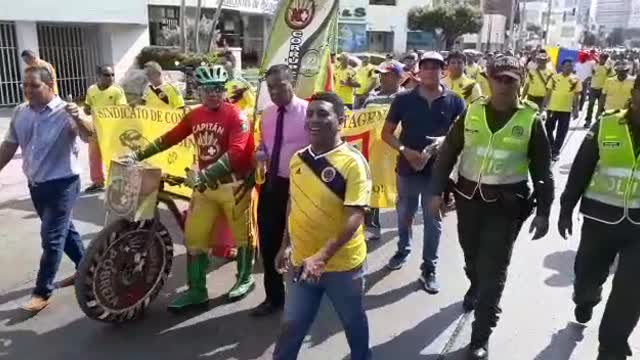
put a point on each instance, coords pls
(282, 134)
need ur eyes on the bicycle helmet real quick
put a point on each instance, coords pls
(211, 75)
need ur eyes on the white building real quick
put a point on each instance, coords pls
(613, 13)
(387, 28)
(634, 17)
(564, 28)
(74, 35)
(243, 24)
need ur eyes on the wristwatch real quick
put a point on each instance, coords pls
(401, 148)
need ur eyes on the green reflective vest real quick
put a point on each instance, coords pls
(496, 158)
(616, 179)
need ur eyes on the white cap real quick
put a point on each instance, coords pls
(432, 56)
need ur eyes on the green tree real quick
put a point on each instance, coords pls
(454, 21)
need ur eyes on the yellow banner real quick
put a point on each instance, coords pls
(122, 129)
(363, 129)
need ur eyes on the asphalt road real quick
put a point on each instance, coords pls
(406, 323)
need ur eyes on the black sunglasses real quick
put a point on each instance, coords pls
(108, 74)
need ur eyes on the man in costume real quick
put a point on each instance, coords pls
(222, 183)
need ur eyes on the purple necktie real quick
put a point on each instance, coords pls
(274, 162)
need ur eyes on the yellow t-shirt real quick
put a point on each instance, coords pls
(563, 90)
(344, 92)
(166, 96)
(466, 88)
(472, 71)
(538, 87)
(365, 76)
(483, 81)
(618, 92)
(600, 75)
(113, 95)
(246, 101)
(321, 187)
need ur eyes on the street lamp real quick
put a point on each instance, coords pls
(438, 32)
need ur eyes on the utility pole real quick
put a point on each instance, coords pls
(546, 31)
(523, 23)
(512, 20)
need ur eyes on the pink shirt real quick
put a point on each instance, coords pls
(294, 136)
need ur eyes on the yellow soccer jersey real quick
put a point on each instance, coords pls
(365, 75)
(472, 71)
(538, 81)
(563, 91)
(618, 92)
(166, 96)
(321, 187)
(600, 75)
(483, 81)
(113, 95)
(344, 92)
(466, 88)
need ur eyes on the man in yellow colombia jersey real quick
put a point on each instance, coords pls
(457, 81)
(329, 192)
(159, 93)
(601, 72)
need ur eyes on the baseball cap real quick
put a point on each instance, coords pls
(389, 67)
(542, 56)
(432, 56)
(507, 66)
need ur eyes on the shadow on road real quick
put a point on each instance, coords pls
(563, 343)
(411, 342)
(562, 263)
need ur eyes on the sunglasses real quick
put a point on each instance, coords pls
(213, 89)
(108, 74)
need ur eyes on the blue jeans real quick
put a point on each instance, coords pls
(411, 190)
(54, 201)
(345, 291)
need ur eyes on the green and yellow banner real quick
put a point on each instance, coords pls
(122, 129)
(302, 36)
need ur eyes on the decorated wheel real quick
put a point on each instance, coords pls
(123, 270)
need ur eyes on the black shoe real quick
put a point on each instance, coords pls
(265, 309)
(477, 352)
(429, 282)
(470, 299)
(607, 356)
(583, 313)
(94, 188)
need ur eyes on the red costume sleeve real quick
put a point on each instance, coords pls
(179, 132)
(240, 142)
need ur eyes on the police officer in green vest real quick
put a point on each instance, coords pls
(606, 176)
(500, 141)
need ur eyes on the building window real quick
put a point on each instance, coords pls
(383, 2)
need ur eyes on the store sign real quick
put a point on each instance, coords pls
(353, 11)
(252, 6)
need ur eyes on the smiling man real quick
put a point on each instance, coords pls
(222, 183)
(330, 190)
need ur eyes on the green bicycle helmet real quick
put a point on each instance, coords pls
(211, 75)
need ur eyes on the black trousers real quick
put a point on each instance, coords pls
(594, 95)
(487, 233)
(272, 218)
(562, 119)
(599, 246)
